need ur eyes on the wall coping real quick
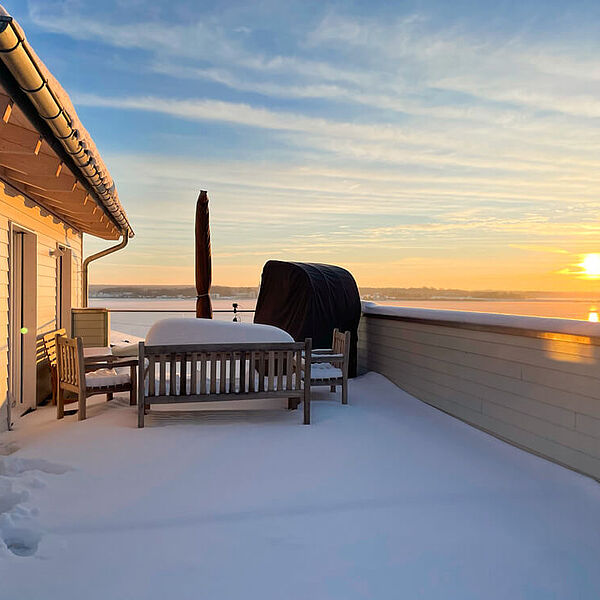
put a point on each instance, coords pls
(512, 324)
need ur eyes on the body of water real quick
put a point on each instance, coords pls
(137, 324)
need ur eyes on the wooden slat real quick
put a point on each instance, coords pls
(194, 373)
(183, 376)
(213, 372)
(224, 357)
(279, 363)
(203, 359)
(288, 371)
(152, 376)
(141, 400)
(246, 346)
(232, 371)
(254, 372)
(243, 371)
(298, 374)
(271, 370)
(162, 378)
(172, 374)
(219, 397)
(261, 372)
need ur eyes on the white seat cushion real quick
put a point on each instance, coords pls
(324, 371)
(104, 377)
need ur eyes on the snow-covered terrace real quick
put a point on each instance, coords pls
(384, 498)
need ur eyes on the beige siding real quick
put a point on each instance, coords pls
(50, 231)
(541, 394)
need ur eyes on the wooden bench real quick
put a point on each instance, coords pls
(223, 372)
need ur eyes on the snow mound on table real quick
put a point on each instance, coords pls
(207, 331)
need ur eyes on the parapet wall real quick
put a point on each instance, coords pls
(534, 382)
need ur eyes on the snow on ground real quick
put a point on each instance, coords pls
(383, 498)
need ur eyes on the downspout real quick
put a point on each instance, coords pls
(89, 259)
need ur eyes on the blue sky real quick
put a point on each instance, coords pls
(451, 144)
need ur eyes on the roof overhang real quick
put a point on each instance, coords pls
(45, 152)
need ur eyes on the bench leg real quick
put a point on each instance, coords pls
(133, 392)
(345, 391)
(81, 414)
(54, 382)
(293, 403)
(60, 403)
(109, 396)
(141, 412)
(307, 405)
(333, 389)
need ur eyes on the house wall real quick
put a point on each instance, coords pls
(533, 387)
(50, 231)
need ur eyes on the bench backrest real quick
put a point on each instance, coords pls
(213, 369)
(50, 345)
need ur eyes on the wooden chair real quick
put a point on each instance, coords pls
(330, 365)
(49, 341)
(90, 376)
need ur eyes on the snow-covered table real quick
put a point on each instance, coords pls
(207, 331)
(96, 351)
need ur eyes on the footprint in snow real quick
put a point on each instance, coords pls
(16, 535)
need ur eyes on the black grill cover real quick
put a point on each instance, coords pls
(310, 300)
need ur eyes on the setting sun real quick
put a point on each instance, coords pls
(591, 265)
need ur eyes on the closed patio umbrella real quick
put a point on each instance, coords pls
(203, 259)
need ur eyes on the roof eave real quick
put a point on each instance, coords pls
(35, 92)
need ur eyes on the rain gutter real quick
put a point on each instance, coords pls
(23, 65)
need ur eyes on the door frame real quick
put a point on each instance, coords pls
(24, 399)
(64, 287)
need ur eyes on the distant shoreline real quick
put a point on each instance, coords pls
(164, 292)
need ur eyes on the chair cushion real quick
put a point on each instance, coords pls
(324, 371)
(106, 377)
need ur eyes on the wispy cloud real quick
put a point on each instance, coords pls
(437, 139)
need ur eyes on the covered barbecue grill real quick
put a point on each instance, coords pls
(309, 300)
